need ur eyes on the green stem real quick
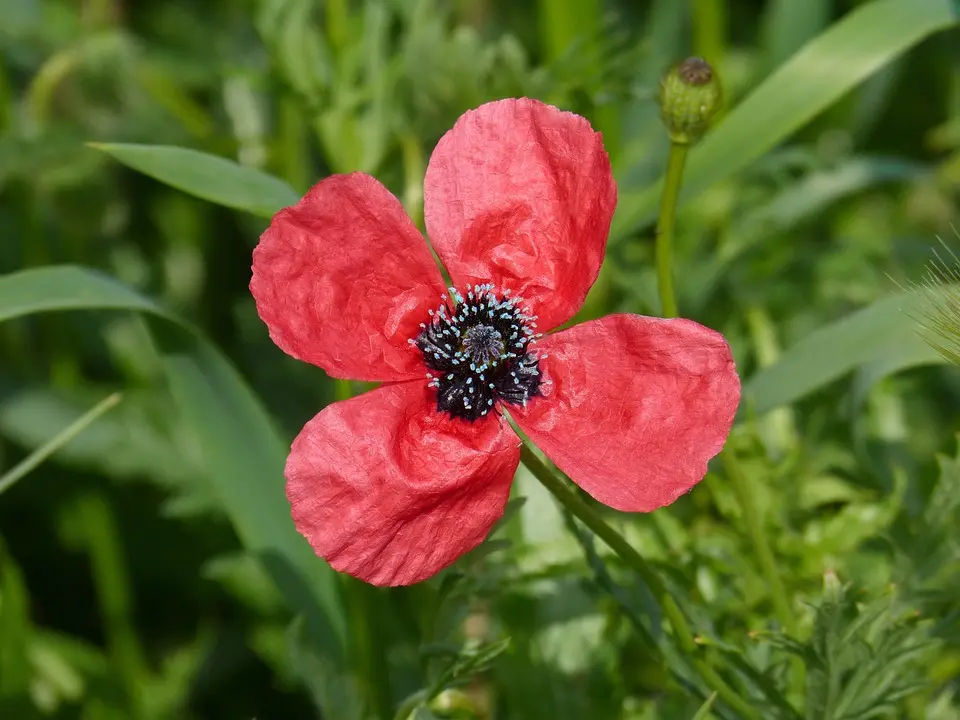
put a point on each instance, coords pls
(665, 228)
(754, 522)
(592, 519)
(710, 30)
(38, 456)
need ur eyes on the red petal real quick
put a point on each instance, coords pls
(343, 279)
(392, 492)
(521, 195)
(633, 407)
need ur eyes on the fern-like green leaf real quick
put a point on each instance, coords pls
(863, 658)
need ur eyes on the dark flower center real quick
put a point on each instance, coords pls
(483, 344)
(479, 352)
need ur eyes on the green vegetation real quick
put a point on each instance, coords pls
(148, 564)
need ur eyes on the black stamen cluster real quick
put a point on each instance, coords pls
(479, 353)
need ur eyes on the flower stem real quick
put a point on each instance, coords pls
(665, 228)
(751, 516)
(578, 507)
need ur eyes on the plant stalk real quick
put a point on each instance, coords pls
(592, 519)
(665, 228)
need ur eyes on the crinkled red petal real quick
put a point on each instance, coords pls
(520, 194)
(634, 407)
(343, 279)
(390, 491)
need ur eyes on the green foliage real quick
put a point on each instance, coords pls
(207, 176)
(885, 332)
(861, 660)
(941, 314)
(148, 564)
(809, 82)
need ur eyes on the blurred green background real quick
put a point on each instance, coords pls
(149, 568)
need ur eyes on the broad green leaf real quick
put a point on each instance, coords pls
(242, 450)
(816, 77)
(888, 328)
(208, 177)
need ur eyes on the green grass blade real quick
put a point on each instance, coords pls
(32, 461)
(704, 712)
(240, 446)
(205, 176)
(887, 328)
(816, 77)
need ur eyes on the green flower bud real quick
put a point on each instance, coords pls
(690, 96)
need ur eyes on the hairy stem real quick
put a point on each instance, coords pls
(592, 519)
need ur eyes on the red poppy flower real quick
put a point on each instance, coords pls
(394, 485)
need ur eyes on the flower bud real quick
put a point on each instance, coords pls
(690, 96)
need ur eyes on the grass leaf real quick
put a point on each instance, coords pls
(206, 176)
(886, 328)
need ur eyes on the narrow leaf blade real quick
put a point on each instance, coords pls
(887, 328)
(205, 176)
